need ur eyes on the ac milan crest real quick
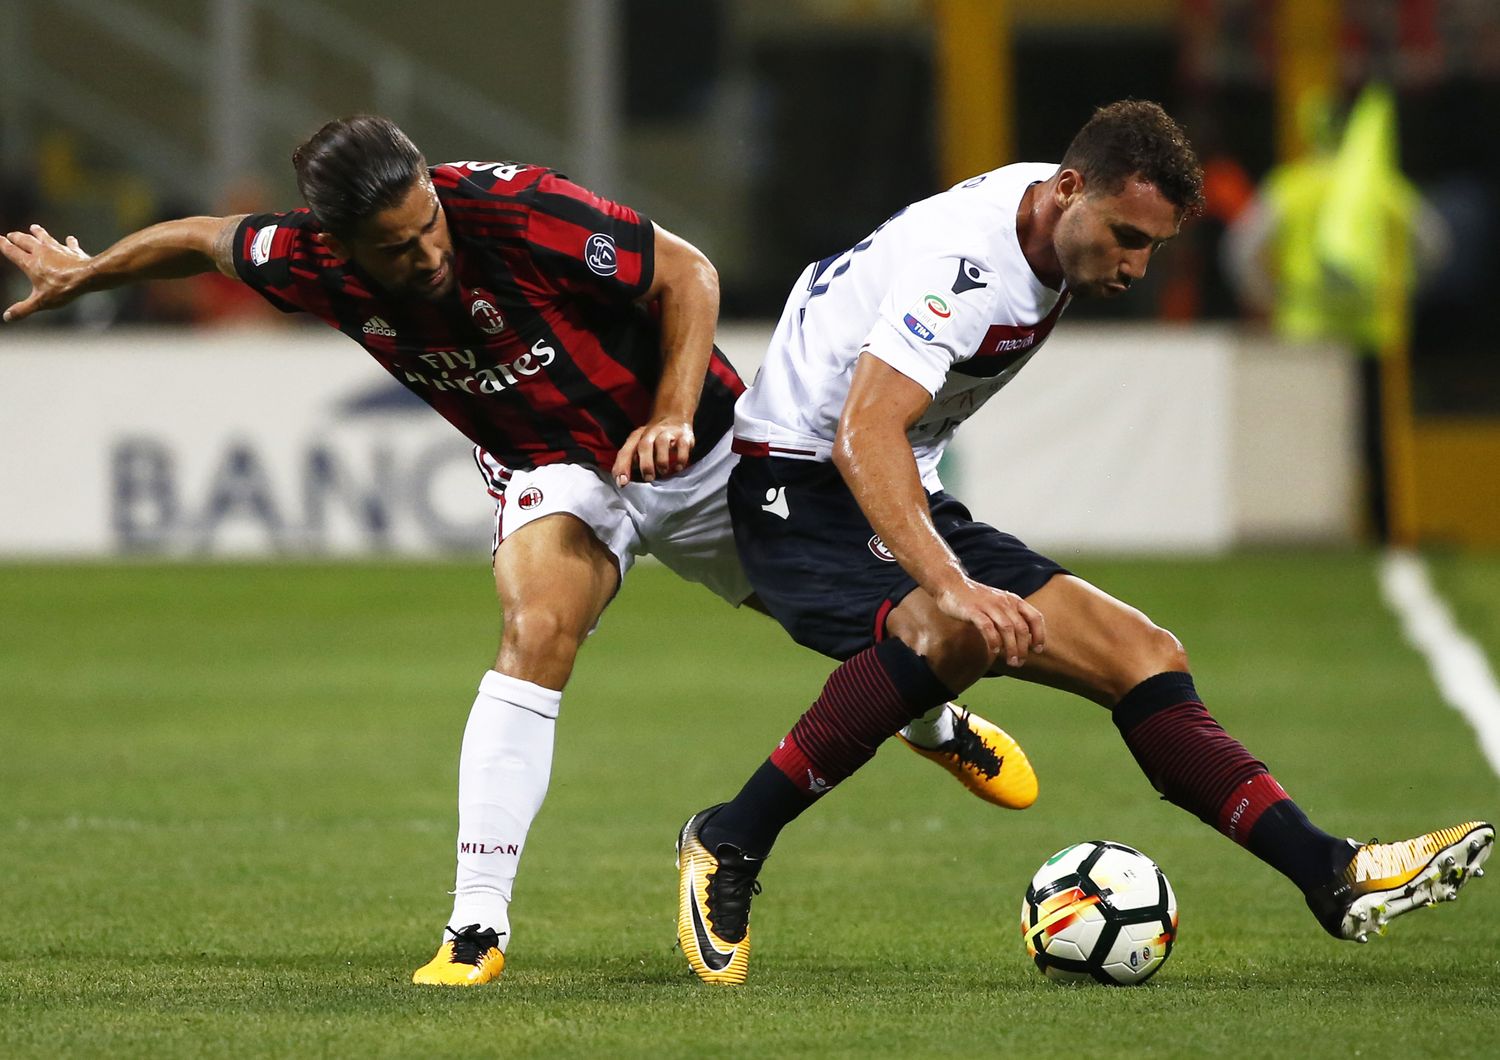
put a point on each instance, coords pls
(486, 316)
(530, 497)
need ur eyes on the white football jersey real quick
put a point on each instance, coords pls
(941, 292)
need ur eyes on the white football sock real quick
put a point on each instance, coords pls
(503, 771)
(932, 729)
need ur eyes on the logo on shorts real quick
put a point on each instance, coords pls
(599, 254)
(487, 317)
(878, 549)
(530, 497)
(776, 503)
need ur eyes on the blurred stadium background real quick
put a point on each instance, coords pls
(769, 134)
(305, 715)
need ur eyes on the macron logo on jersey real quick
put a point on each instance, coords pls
(378, 326)
(1014, 338)
(260, 250)
(970, 277)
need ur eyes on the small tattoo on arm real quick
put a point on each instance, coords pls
(223, 249)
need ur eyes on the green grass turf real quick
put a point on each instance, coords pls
(226, 829)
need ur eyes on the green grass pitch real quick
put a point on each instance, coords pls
(226, 829)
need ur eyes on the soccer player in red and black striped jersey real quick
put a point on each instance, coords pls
(568, 337)
(533, 323)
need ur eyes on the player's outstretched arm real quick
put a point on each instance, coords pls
(687, 285)
(872, 452)
(60, 272)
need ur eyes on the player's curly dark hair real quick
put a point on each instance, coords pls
(1135, 136)
(352, 168)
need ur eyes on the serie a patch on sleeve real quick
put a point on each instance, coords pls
(928, 316)
(260, 250)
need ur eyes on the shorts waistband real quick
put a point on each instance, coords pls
(745, 447)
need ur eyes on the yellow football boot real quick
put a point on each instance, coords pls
(985, 759)
(1384, 880)
(470, 958)
(714, 889)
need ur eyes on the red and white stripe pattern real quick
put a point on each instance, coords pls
(496, 475)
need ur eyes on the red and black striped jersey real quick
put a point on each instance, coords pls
(542, 354)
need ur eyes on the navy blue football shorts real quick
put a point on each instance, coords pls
(822, 572)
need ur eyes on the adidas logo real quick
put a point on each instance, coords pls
(377, 326)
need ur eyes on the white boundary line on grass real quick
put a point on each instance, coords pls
(1459, 666)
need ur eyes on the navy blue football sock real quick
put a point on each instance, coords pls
(755, 817)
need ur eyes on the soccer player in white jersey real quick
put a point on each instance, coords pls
(848, 538)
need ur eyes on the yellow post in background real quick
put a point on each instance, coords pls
(975, 87)
(1380, 206)
(1365, 233)
(1307, 56)
(1307, 34)
(1399, 437)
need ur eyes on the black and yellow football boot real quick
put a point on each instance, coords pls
(1384, 880)
(714, 888)
(985, 759)
(469, 958)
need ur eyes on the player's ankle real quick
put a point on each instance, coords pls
(933, 729)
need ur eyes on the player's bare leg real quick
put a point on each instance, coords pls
(1097, 646)
(553, 578)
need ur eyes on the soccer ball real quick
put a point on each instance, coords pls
(1100, 911)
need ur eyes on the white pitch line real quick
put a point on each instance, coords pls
(1460, 668)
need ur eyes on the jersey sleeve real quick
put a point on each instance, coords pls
(932, 317)
(587, 244)
(270, 255)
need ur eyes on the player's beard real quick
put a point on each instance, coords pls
(1107, 286)
(421, 286)
(1103, 288)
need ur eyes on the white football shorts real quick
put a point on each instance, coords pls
(682, 520)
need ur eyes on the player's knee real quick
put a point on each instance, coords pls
(534, 634)
(1166, 651)
(1144, 651)
(1155, 651)
(956, 653)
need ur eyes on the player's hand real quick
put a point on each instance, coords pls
(50, 266)
(655, 450)
(1010, 626)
